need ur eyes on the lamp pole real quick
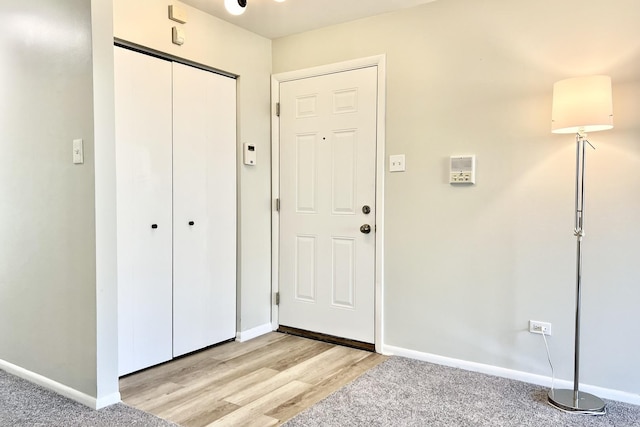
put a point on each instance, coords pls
(575, 400)
(579, 233)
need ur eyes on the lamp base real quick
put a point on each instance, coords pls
(565, 400)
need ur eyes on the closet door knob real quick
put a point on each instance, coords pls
(191, 223)
(154, 226)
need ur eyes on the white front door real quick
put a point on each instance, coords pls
(327, 204)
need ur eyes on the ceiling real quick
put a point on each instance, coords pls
(271, 19)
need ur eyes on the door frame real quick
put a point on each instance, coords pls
(379, 62)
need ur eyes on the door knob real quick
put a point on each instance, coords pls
(191, 223)
(154, 226)
(365, 229)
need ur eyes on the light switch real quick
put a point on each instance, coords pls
(397, 163)
(78, 152)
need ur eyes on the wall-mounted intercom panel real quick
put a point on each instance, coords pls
(249, 154)
(462, 169)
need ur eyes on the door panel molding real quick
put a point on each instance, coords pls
(377, 61)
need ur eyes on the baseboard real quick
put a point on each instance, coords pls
(109, 400)
(605, 393)
(59, 388)
(254, 332)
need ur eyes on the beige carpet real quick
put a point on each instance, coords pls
(405, 392)
(25, 404)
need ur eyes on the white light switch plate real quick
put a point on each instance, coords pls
(78, 152)
(397, 163)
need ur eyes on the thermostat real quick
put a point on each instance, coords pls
(462, 170)
(249, 154)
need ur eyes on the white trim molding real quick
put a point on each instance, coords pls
(378, 61)
(254, 332)
(59, 388)
(606, 393)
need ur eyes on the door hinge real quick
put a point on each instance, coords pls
(277, 298)
(278, 109)
(277, 205)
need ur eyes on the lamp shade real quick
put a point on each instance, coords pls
(582, 104)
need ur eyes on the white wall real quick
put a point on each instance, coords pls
(47, 225)
(218, 44)
(467, 267)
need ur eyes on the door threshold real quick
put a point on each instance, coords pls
(328, 338)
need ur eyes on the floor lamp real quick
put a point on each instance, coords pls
(580, 105)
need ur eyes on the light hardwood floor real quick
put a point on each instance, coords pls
(261, 382)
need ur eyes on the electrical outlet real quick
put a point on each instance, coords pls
(536, 327)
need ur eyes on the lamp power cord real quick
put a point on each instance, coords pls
(546, 345)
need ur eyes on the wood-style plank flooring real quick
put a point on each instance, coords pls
(261, 382)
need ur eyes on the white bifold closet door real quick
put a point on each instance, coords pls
(176, 208)
(204, 208)
(143, 168)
